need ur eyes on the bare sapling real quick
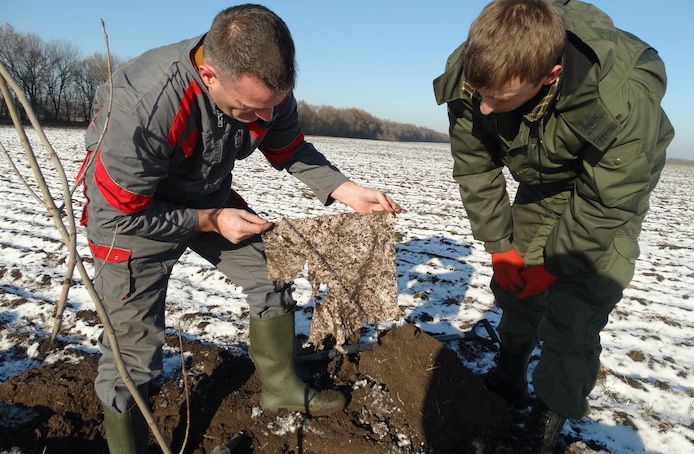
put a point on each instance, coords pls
(64, 220)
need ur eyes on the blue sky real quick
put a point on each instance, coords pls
(378, 55)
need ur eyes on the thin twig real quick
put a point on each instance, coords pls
(9, 157)
(90, 158)
(69, 235)
(186, 390)
(108, 253)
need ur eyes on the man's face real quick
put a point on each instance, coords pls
(245, 99)
(507, 98)
(514, 94)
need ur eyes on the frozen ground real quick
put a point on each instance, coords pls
(643, 403)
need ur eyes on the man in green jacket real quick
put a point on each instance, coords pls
(570, 105)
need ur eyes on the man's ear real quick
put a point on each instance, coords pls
(552, 75)
(207, 74)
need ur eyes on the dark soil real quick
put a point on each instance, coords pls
(410, 393)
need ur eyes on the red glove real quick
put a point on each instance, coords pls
(507, 266)
(537, 280)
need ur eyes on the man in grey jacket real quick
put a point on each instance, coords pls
(159, 182)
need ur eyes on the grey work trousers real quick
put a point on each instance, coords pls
(134, 293)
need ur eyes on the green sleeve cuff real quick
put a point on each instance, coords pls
(501, 245)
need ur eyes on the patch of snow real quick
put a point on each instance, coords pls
(643, 402)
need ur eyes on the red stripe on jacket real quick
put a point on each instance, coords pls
(108, 253)
(281, 155)
(80, 179)
(257, 130)
(179, 123)
(119, 198)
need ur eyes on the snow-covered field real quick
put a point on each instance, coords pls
(643, 403)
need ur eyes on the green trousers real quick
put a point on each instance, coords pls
(568, 317)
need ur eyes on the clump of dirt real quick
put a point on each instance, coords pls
(410, 393)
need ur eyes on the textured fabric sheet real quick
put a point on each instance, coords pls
(353, 256)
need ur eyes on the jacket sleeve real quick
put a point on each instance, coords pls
(477, 167)
(478, 172)
(610, 196)
(121, 182)
(286, 148)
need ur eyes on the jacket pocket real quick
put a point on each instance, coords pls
(113, 277)
(622, 172)
(109, 253)
(616, 267)
(627, 248)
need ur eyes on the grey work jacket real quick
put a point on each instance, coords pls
(168, 150)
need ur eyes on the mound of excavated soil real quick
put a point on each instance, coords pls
(408, 394)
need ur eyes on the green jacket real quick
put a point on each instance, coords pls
(599, 137)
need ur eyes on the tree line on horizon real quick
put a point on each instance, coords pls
(359, 124)
(60, 85)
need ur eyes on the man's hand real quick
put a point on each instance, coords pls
(507, 266)
(537, 279)
(233, 224)
(364, 200)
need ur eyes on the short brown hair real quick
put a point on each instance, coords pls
(251, 39)
(513, 38)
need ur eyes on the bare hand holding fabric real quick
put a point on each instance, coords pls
(364, 200)
(233, 224)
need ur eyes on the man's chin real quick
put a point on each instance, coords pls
(245, 119)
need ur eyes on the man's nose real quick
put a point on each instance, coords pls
(264, 114)
(487, 106)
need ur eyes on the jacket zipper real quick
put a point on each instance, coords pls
(220, 132)
(540, 152)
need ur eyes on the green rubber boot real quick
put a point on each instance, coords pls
(126, 433)
(272, 352)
